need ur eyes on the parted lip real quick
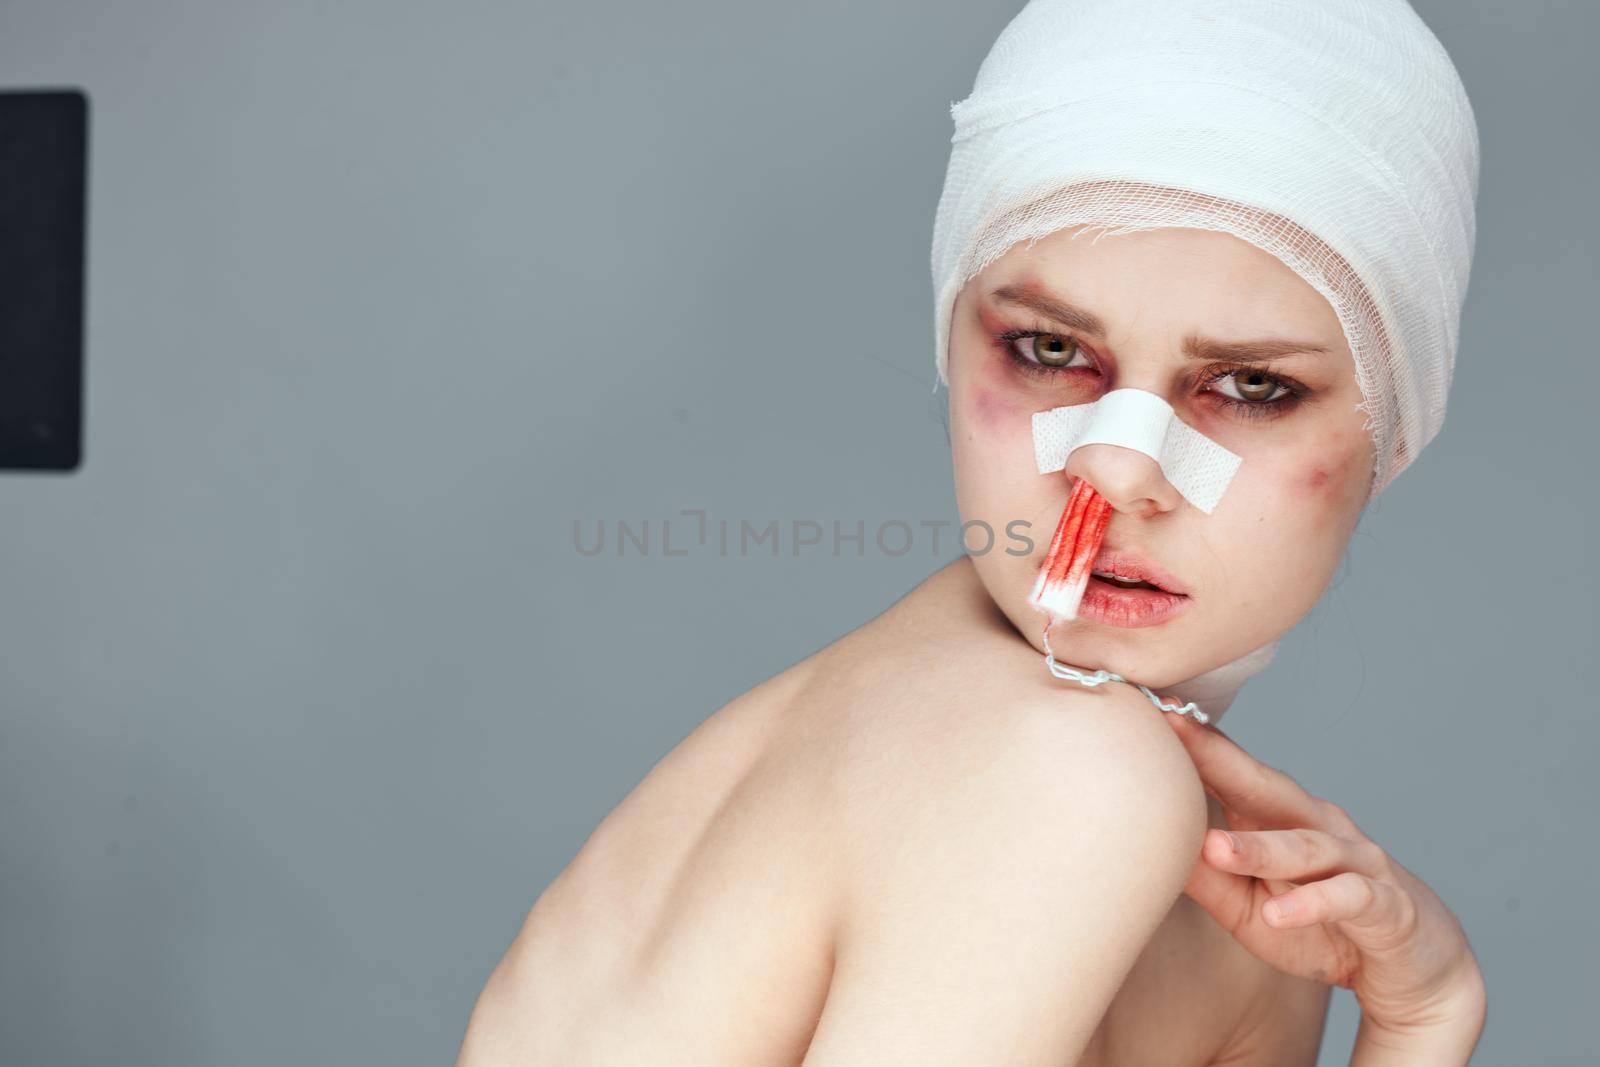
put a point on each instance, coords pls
(1125, 563)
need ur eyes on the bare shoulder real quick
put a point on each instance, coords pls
(933, 728)
(1003, 837)
(981, 775)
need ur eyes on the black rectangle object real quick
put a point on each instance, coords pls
(43, 216)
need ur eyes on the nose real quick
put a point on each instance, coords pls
(1130, 481)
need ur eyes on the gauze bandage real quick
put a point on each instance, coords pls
(1333, 134)
(1198, 467)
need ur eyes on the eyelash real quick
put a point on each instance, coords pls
(1255, 409)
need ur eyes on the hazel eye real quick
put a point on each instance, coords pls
(1253, 386)
(1053, 350)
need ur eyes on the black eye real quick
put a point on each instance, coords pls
(1053, 350)
(1251, 385)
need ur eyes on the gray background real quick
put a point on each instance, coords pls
(305, 693)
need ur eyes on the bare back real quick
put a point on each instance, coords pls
(697, 924)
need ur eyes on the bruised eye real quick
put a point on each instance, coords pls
(1047, 349)
(1254, 386)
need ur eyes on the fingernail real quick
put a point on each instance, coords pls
(1279, 910)
(1233, 841)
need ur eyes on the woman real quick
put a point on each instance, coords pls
(921, 846)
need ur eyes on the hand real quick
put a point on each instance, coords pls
(1299, 885)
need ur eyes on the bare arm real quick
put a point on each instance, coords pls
(1018, 891)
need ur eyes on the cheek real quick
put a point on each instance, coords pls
(1299, 483)
(1315, 486)
(1331, 481)
(994, 445)
(1301, 505)
(997, 414)
(996, 478)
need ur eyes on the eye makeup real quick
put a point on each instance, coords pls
(1288, 392)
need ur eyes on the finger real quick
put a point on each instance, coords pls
(1298, 854)
(1373, 913)
(1226, 896)
(1243, 784)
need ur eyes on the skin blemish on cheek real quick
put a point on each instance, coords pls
(996, 411)
(1319, 485)
(1330, 480)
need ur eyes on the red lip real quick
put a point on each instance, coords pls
(1115, 606)
(1127, 564)
(1109, 603)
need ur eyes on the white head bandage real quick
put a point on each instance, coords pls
(1333, 134)
(1197, 466)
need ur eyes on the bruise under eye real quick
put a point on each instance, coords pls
(1257, 392)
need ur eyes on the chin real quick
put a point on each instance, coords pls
(1153, 655)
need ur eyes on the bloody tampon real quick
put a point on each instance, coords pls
(1065, 571)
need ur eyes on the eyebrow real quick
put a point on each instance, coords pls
(1037, 299)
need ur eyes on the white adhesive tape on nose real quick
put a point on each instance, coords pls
(1198, 467)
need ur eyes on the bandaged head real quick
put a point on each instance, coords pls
(1333, 134)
